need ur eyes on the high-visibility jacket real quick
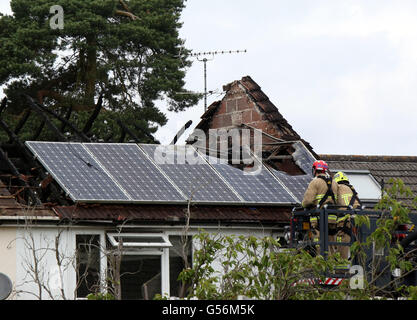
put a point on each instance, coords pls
(316, 190)
(344, 196)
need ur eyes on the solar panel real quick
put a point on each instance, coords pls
(303, 157)
(188, 170)
(296, 184)
(77, 172)
(99, 172)
(261, 187)
(135, 172)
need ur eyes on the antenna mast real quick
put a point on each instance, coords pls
(204, 60)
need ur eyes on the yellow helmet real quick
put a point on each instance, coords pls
(340, 176)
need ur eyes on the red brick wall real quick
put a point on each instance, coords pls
(237, 108)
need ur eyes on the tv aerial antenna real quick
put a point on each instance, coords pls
(204, 60)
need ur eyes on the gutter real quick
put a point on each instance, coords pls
(29, 218)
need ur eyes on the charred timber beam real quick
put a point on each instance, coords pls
(122, 136)
(67, 117)
(40, 108)
(282, 157)
(22, 182)
(30, 161)
(181, 132)
(39, 130)
(128, 131)
(94, 115)
(14, 138)
(48, 122)
(22, 121)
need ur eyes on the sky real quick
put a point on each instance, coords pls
(342, 72)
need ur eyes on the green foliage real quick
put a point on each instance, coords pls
(412, 292)
(160, 297)
(100, 296)
(394, 213)
(129, 51)
(255, 268)
(225, 267)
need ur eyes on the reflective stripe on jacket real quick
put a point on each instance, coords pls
(344, 195)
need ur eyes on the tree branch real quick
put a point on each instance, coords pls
(41, 94)
(127, 14)
(124, 5)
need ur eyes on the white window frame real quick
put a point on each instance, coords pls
(147, 248)
(140, 244)
(363, 173)
(103, 256)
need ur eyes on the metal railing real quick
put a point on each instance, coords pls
(322, 215)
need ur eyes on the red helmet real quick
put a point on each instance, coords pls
(320, 165)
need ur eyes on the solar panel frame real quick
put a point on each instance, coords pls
(77, 168)
(271, 182)
(303, 157)
(296, 184)
(246, 189)
(156, 189)
(182, 174)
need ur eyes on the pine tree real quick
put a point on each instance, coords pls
(129, 51)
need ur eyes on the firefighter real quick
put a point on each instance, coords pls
(321, 190)
(347, 197)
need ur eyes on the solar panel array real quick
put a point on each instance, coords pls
(77, 172)
(188, 170)
(255, 186)
(296, 184)
(131, 173)
(136, 174)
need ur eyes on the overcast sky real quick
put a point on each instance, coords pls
(342, 72)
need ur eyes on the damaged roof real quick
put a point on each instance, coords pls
(267, 108)
(173, 213)
(10, 208)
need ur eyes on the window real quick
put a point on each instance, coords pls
(139, 240)
(365, 184)
(176, 263)
(88, 264)
(144, 263)
(140, 277)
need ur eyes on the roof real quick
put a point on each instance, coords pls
(10, 207)
(25, 212)
(382, 168)
(173, 213)
(269, 110)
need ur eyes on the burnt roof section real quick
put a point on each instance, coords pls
(26, 181)
(383, 168)
(29, 190)
(174, 213)
(10, 207)
(270, 111)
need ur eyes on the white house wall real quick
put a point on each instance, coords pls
(21, 265)
(41, 242)
(8, 253)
